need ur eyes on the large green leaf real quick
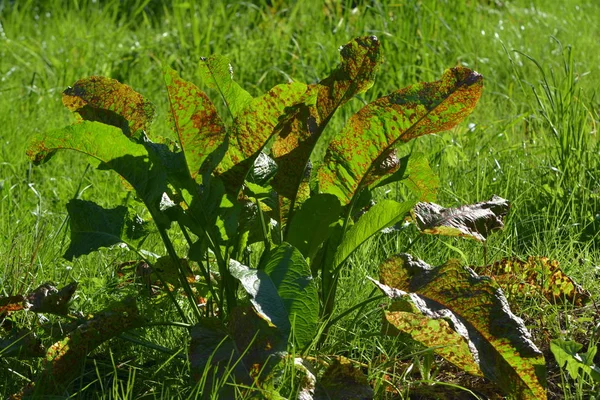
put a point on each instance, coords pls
(262, 118)
(263, 295)
(107, 144)
(196, 121)
(476, 221)
(357, 156)
(477, 309)
(106, 100)
(93, 227)
(381, 215)
(361, 59)
(217, 73)
(65, 359)
(416, 175)
(293, 280)
(309, 226)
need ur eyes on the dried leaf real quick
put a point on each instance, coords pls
(343, 380)
(476, 221)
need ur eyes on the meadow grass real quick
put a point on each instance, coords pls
(532, 140)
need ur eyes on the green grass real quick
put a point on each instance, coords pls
(532, 140)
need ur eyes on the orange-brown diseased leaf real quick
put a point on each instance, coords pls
(65, 358)
(262, 118)
(403, 316)
(536, 275)
(476, 221)
(361, 59)
(354, 157)
(476, 309)
(200, 129)
(106, 100)
(13, 303)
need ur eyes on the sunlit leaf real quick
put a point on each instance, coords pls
(404, 316)
(361, 59)
(292, 278)
(343, 380)
(106, 144)
(476, 309)
(217, 73)
(13, 303)
(383, 214)
(538, 274)
(354, 156)
(64, 359)
(106, 100)
(262, 118)
(196, 121)
(567, 356)
(416, 175)
(476, 221)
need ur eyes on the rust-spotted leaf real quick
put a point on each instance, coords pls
(217, 73)
(354, 156)
(476, 221)
(106, 100)
(477, 310)
(361, 59)
(404, 316)
(262, 118)
(196, 121)
(536, 275)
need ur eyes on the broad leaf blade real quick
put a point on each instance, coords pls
(537, 274)
(262, 118)
(355, 157)
(478, 310)
(93, 227)
(198, 125)
(107, 144)
(416, 175)
(476, 221)
(309, 227)
(293, 280)
(65, 358)
(381, 215)
(106, 100)
(438, 334)
(361, 59)
(263, 295)
(217, 73)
